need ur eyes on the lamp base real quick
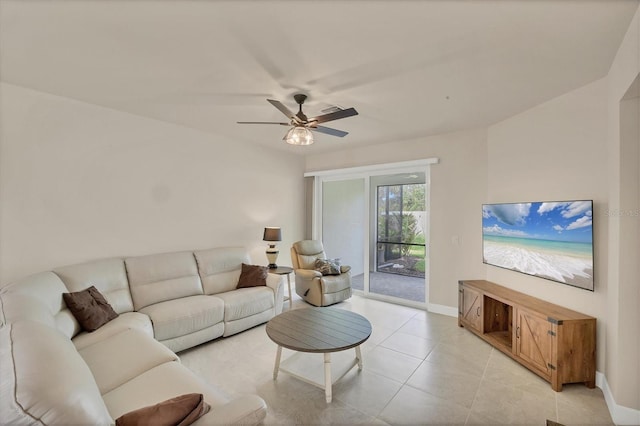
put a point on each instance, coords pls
(272, 256)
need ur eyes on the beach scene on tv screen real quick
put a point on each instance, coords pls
(552, 240)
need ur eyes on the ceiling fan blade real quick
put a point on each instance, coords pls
(329, 131)
(343, 113)
(263, 122)
(283, 109)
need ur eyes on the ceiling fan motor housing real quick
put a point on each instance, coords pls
(300, 98)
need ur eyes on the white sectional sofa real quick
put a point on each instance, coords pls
(55, 373)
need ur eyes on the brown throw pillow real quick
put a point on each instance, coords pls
(90, 308)
(179, 411)
(328, 266)
(253, 276)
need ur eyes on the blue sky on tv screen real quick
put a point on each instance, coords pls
(556, 221)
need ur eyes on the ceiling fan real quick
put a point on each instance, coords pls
(300, 132)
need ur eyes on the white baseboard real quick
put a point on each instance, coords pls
(619, 414)
(442, 309)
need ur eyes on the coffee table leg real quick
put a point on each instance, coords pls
(327, 376)
(277, 366)
(359, 357)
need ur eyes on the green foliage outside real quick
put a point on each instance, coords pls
(413, 198)
(397, 223)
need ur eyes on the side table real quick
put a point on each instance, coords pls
(285, 270)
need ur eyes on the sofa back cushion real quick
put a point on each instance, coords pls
(38, 298)
(45, 380)
(109, 276)
(161, 277)
(220, 268)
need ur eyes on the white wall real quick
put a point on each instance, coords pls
(553, 152)
(80, 182)
(566, 148)
(623, 327)
(458, 189)
(585, 145)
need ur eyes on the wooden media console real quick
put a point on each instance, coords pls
(556, 343)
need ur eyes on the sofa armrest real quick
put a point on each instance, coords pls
(244, 410)
(344, 269)
(276, 283)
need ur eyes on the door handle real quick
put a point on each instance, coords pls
(478, 311)
(517, 332)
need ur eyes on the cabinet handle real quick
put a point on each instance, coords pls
(517, 332)
(478, 311)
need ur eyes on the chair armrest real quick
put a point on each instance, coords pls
(308, 273)
(344, 269)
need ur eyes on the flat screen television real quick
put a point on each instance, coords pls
(551, 240)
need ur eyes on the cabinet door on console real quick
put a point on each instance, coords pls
(472, 308)
(533, 341)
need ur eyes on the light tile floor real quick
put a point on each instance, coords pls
(419, 368)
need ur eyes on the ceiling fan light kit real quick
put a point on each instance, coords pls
(301, 132)
(299, 135)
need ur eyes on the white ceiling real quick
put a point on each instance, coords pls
(411, 68)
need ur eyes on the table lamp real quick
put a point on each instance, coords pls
(272, 234)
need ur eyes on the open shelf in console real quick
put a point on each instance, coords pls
(498, 320)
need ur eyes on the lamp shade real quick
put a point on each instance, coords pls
(299, 135)
(272, 234)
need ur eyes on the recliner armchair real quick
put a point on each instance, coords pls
(311, 285)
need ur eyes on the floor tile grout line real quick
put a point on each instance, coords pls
(557, 419)
(484, 372)
(405, 383)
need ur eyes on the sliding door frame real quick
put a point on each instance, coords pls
(365, 173)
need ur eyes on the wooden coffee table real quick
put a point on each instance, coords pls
(319, 330)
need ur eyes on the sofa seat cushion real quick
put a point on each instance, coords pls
(172, 379)
(183, 316)
(124, 356)
(196, 338)
(159, 384)
(126, 321)
(245, 302)
(44, 379)
(336, 283)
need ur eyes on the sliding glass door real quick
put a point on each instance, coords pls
(397, 268)
(376, 221)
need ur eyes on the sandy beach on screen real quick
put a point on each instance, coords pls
(572, 270)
